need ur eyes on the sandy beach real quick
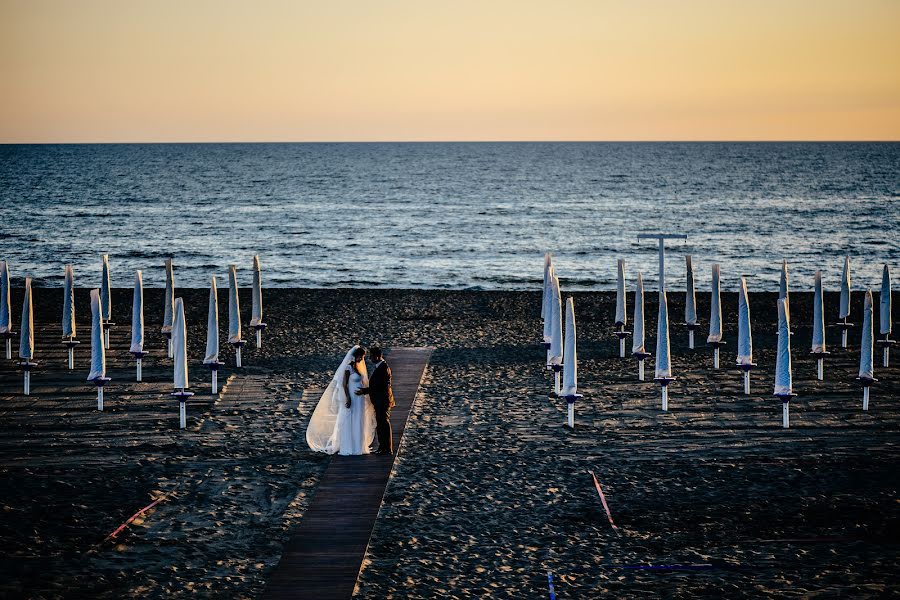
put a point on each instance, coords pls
(490, 490)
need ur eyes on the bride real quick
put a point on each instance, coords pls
(344, 420)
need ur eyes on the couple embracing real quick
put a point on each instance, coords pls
(354, 408)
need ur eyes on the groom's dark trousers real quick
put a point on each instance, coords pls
(382, 396)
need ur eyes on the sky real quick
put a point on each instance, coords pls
(435, 70)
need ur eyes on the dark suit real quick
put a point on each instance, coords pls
(382, 396)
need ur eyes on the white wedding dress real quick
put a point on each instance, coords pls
(336, 429)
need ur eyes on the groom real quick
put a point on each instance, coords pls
(382, 397)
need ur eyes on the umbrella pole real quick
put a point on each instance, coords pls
(866, 397)
(138, 368)
(100, 398)
(786, 415)
(259, 338)
(641, 370)
(665, 398)
(237, 358)
(716, 357)
(844, 339)
(746, 383)
(169, 350)
(556, 376)
(571, 414)
(820, 369)
(691, 339)
(8, 348)
(887, 356)
(27, 383)
(182, 414)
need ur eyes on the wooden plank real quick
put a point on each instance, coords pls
(323, 557)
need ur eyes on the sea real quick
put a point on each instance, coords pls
(450, 215)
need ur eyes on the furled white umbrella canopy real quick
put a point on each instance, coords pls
(884, 321)
(555, 353)
(784, 386)
(68, 315)
(663, 357)
(783, 284)
(211, 358)
(98, 349)
(179, 347)
(545, 307)
(105, 293)
(844, 312)
(570, 366)
(715, 314)
(26, 329)
(745, 335)
(137, 314)
(6, 328)
(818, 338)
(638, 350)
(690, 299)
(621, 318)
(169, 298)
(867, 348)
(548, 263)
(256, 313)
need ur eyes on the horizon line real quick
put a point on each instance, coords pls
(261, 142)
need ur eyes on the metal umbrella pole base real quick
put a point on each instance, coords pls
(8, 335)
(746, 369)
(641, 357)
(715, 346)
(570, 409)
(664, 385)
(182, 397)
(106, 327)
(259, 328)
(557, 371)
(237, 352)
(786, 409)
(214, 368)
(820, 364)
(844, 327)
(691, 327)
(138, 365)
(621, 334)
(886, 344)
(26, 369)
(100, 382)
(70, 346)
(866, 383)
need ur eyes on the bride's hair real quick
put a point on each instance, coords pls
(359, 352)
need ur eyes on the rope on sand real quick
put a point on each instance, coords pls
(603, 500)
(122, 527)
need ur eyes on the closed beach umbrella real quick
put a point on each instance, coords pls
(637, 341)
(867, 349)
(106, 298)
(169, 305)
(783, 293)
(179, 351)
(5, 308)
(784, 387)
(570, 367)
(555, 353)
(234, 315)
(545, 307)
(137, 314)
(212, 324)
(98, 348)
(845, 290)
(621, 302)
(621, 319)
(845, 302)
(548, 262)
(745, 336)
(211, 358)
(256, 313)
(68, 316)
(179, 346)
(26, 337)
(638, 350)
(818, 337)
(884, 321)
(690, 301)
(26, 330)
(663, 360)
(137, 325)
(715, 316)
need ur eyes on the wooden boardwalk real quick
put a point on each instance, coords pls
(323, 557)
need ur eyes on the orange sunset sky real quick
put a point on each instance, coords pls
(342, 70)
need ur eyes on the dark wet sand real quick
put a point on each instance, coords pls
(490, 491)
